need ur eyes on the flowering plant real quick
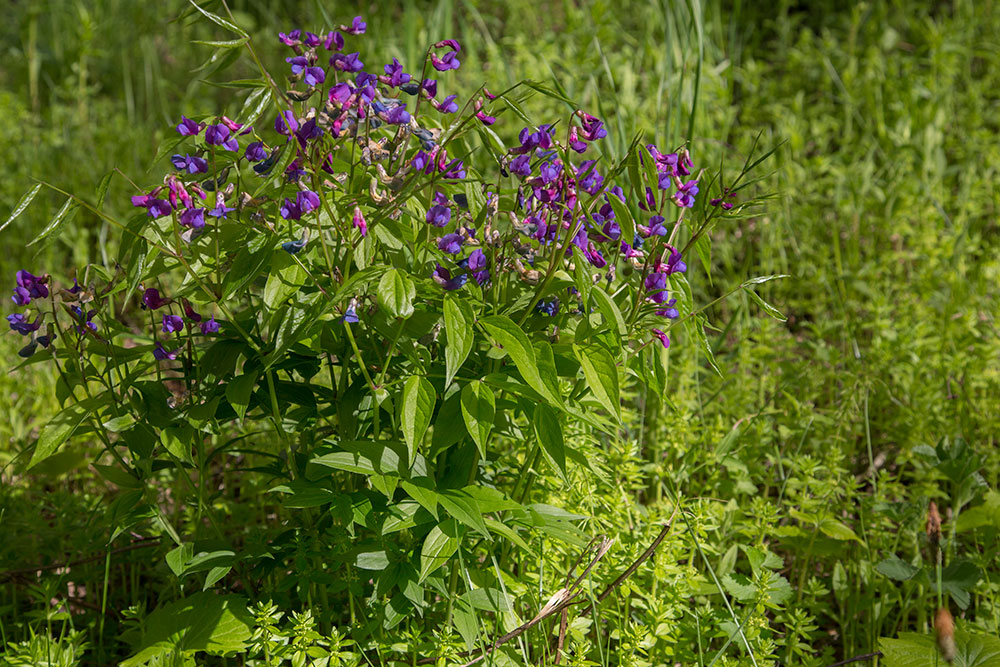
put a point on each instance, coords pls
(371, 301)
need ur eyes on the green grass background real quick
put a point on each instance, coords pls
(885, 218)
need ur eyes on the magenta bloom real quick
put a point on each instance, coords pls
(357, 27)
(286, 123)
(172, 323)
(190, 164)
(218, 135)
(20, 323)
(307, 200)
(450, 243)
(291, 39)
(29, 287)
(255, 152)
(161, 353)
(397, 76)
(290, 210)
(450, 60)
(188, 127)
(151, 299)
(442, 277)
(347, 63)
(311, 39)
(209, 326)
(359, 221)
(684, 197)
(193, 218)
(662, 337)
(334, 41)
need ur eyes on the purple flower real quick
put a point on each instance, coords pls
(357, 27)
(160, 353)
(290, 210)
(484, 119)
(291, 39)
(188, 127)
(439, 215)
(190, 312)
(307, 200)
(668, 310)
(359, 221)
(549, 171)
(29, 287)
(550, 307)
(340, 93)
(286, 123)
(190, 164)
(674, 264)
(155, 208)
(450, 243)
(298, 63)
(521, 165)
(454, 170)
(665, 181)
(656, 226)
(447, 105)
(315, 76)
(311, 39)
(442, 277)
(590, 181)
(430, 86)
(83, 319)
(476, 263)
(398, 115)
(351, 314)
(255, 152)
(574, 140)
(334, 41)
(449, 62)
(397, 76)
(19, 323)
(209, 326)
(151, 299)
(347, 63)
(221, 210)
(193, 218)
(592, 129)
(662, 337)
(218, 135)
(684, 197)
(172, 323)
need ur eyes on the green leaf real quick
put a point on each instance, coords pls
(227, 44)
(238, 392)
(545, 422)
(372, 560)
(960, 577)
(601, 373)
(458, 322)
(286, 278)
(440, 544)
(102, 189)
(62, 426)
(837, 530)
(246, 266)
(768, 308)
(28, 197)
(462, 507)
(609, 309)
(763, 279)
(623, 216)
(177, 440)
(220, 21)
(919, 650)
(396, 292)
(479, 412)
(515, 343)
(416, 407)
(61, 218)
(203, 622)
(896, 569)
(489, 599)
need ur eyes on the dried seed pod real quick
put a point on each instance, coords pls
(933, 524)
(944, 631)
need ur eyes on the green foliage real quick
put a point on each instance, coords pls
(851, 394)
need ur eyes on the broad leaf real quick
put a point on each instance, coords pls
(550, 436)
(515, 343)
(439, 545)
(601, 373)
(458, 322)
(416, 407)
(396, 292)
(479, 412)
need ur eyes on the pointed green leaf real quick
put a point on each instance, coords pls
(479, 412)
(458, 327)
(61, 218)
(601, 373)
(439, 545)
(416, 408)
(21, 205)
(62, 426)
(768, 308)
(220, 21)
(545, 422)
(609, 309)
(238, 392)
(515, 343)
(396, 292)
